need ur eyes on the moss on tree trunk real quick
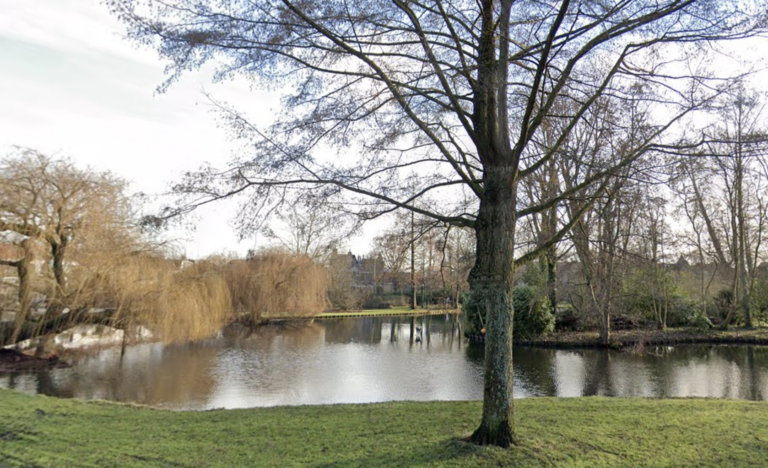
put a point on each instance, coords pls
(491, 282)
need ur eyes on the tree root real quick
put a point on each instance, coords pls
(502, 436)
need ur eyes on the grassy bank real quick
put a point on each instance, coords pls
(400, 311)
(394, 311)
(584, 432)
(627, 338)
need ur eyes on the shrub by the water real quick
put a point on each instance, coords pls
(699, 320)
(533, 314)
(681, 311)
(374, 302)
(723, 302)
(567, 319)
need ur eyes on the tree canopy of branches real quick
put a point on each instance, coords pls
(723, 188)
(105, 270)
(50, 200)
(456, 92)
(308, 226)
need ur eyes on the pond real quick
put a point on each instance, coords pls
(360, 360)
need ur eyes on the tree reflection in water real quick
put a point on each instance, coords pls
(379, 359)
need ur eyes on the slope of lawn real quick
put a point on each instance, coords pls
(38, 431)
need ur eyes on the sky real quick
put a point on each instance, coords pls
(71, 85)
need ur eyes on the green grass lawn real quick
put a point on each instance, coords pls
(581, 432)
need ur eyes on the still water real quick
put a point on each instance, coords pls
(375, 359)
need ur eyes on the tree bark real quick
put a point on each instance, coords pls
(491, 283)
(551, 259)
(605, 326)
(58, 251)
(711, 231)
(413, 264)
(742, 239)
(22, 269)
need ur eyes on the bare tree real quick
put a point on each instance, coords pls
(310, 226)
(650, 254)
(723, 190)
(393, 248)
(546, 184)
(410, 240)
(601, 241)
(457, 256)
(455, 92)
(51, 200)
(743, 158)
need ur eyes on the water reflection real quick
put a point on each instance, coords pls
(381, 359)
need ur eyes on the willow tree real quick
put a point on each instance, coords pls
(50, 201)
(391, 102)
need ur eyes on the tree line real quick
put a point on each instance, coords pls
(74, 241)
(699, 206)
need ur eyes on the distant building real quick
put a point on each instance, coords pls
(367, 272)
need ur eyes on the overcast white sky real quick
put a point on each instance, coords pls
(70, 84)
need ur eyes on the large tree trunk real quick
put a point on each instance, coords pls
(551, 259)
(491, 282)
(58, 250)
(413, 264)
(22, 269)
(662, 310)
(605, 326)
(741, 242)
(711, 230)
(549, 221)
